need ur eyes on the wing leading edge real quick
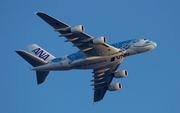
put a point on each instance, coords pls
(81, 40)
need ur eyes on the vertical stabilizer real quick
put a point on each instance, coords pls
(40, 52)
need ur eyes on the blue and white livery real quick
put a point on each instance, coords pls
(94, 53)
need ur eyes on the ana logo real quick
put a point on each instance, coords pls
(40, 53)
(119, 57)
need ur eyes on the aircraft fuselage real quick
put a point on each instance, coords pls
(78, 61)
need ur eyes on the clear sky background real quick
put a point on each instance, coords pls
(153, 84)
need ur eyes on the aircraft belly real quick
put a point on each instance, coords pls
(90, 63)
(97, 62)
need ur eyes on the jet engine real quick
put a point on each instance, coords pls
(121, 74)
(115, 87)
(100, 40)
(77, 29)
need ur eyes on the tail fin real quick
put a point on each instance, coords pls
(35, 61)
(40, 52)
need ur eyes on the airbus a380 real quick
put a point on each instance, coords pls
(94, 53)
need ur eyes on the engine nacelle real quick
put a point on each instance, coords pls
(100, 40)
(77, 29)
(115, 87)
(121, 74)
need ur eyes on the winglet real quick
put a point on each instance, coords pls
(35, 13)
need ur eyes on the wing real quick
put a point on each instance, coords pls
(80, 40)
(102, 79)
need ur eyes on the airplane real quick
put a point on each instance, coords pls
(94, 53)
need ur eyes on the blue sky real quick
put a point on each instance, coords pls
(153, 82)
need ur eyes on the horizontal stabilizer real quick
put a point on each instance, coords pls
(32, 59)
(35, 61)
(41, 76)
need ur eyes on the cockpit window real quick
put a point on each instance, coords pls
(147, 42)
(145, 39)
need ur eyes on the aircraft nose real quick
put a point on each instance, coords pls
(151, 45)
(154, 44)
